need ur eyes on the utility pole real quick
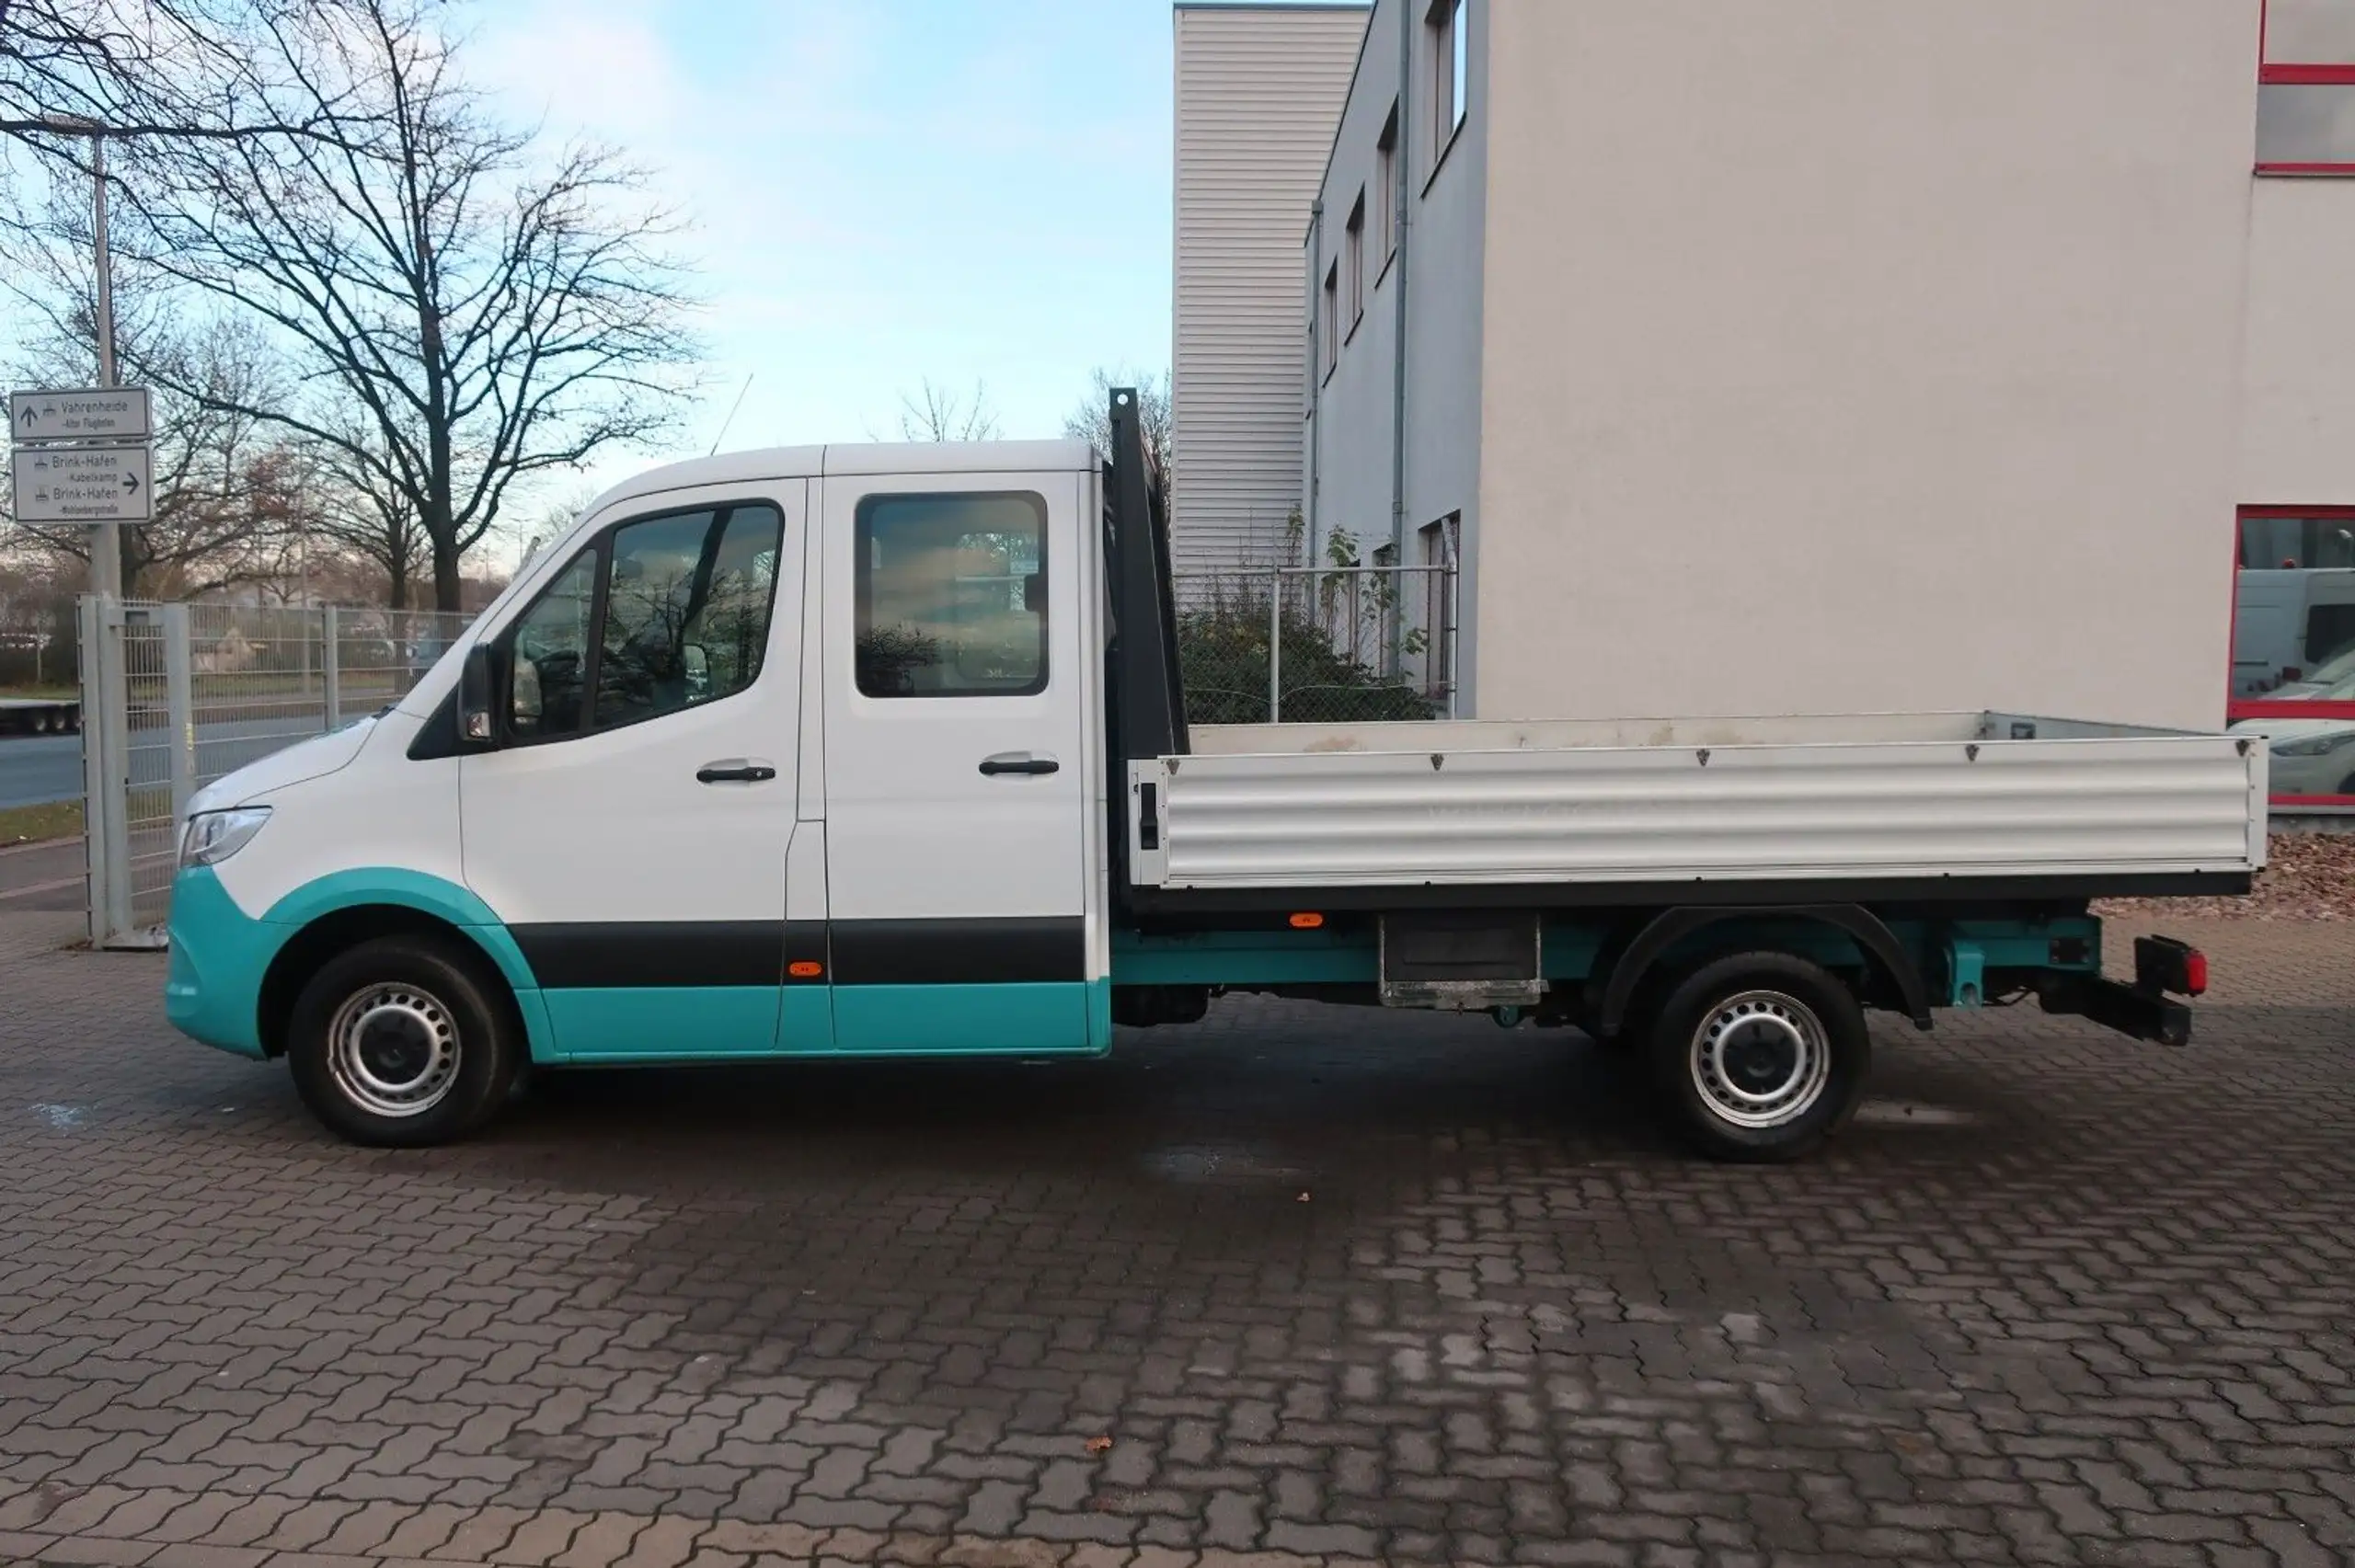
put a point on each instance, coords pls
(106, 542)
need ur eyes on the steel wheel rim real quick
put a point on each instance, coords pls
(1761, 1059)
(393, 1050)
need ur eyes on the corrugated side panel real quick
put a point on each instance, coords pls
(1258, 95)
(2167, 804)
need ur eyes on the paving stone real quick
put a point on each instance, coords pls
(2054, 1299)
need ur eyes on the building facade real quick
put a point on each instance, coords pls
(1838, 355)
(1258, 90)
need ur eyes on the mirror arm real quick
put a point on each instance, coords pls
(478, 727)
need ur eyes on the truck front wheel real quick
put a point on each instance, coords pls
(400, 1043)
(1760, 1056)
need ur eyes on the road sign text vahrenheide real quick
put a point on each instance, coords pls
(83, 484)
(80, 414)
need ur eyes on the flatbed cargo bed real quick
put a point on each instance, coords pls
(1874, 806)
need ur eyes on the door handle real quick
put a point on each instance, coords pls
(734, 769)
(1017, 763)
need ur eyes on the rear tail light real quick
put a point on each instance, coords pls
(2162, 963)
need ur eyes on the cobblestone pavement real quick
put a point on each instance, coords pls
(1307, 1283)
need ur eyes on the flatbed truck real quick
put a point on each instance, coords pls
(40, 715)
(881, 750)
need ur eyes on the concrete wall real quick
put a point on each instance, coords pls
(1351, 475)
(1258, 89)
(1862, 354)
(2298, 445)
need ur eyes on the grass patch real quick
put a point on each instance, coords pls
(48, 693)
(32, 824)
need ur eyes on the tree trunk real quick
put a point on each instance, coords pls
(396, 572)
(447, 584)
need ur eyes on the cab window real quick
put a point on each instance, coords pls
(951, 595)
(659, 616)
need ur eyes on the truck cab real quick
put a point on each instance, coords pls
(788, 752)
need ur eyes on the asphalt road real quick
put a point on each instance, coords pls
(1317, 1284)
(36, 770)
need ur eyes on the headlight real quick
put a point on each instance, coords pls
(213, 837)
(2314, 745)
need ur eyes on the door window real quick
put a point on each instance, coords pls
(951, 595)
(659, 616)
(550, 651)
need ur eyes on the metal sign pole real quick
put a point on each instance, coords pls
(106, 534)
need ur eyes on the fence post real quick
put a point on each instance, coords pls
(331, 666)
(1275, 644)
(179, 709)
(90, 629)
(114, 720)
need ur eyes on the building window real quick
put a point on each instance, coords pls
(1448, 43)
(1354, 258)
(1385, 194)
(951, 595)
(2305, 100)
(2293, 649)
(1441, 545)
(1331, 318)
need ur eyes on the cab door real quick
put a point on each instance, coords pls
(958, 763)
(633, 824)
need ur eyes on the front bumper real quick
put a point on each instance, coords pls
(219, 956)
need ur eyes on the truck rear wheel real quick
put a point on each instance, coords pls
(1759, 1055)
(400, 1043)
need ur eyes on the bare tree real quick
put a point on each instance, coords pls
(361, 515)
(935, 413)
(140, 69)
(464, 313)
(1092, 420)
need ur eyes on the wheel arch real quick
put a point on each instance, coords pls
(337, 913)
(1643, 951)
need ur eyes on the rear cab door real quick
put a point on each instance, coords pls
(963, 776)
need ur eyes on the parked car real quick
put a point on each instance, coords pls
(2311, 756)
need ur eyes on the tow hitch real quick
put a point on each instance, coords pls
(2164, 968)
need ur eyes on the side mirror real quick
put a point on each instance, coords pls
(478, 720)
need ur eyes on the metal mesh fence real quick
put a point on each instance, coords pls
(1297, 645)
(205, 689)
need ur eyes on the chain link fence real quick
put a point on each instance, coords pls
(187, 694)
(1316, 645)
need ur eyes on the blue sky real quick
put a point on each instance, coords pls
(881, 190)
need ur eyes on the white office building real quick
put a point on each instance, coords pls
(1845, 354)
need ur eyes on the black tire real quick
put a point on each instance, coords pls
(1760, 1057)
(428, 1049)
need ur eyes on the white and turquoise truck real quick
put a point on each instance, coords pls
(880, 750)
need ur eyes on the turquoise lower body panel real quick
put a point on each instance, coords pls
(656, 1023)
(219, 957)
(1032, 1019)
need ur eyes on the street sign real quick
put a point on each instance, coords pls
(82, 414)
(83, 484)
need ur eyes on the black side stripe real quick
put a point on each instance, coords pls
(610, 954)
(958, 952)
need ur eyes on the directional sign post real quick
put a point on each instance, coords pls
(98, 413)
(83, 484)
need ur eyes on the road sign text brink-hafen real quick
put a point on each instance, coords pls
(98, 413)
(82, 483)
